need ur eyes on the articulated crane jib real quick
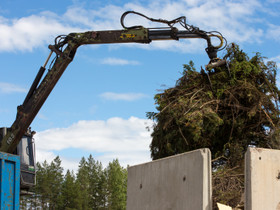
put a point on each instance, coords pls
(17, 139)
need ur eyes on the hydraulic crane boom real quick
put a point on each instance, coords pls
(65, 48)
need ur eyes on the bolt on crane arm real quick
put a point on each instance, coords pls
(65, 48)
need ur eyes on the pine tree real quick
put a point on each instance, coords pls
(97, 184)
(93, 187)
(83, 185)
(55, 175)
(95, 192)
(69, 192)
(49, 182)
(117, 183)
(42, 189)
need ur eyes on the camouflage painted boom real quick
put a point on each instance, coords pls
(38, 94)
(29, 109)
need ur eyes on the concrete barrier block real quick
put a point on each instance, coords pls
(181, 182)
(262, 179)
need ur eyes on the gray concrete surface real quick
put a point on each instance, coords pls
(181, 182)
(262, 179)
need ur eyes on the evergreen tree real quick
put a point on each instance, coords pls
(69, 193)
(97, 184)
(83, 185)
(48, 185)
(103, 190)
(93, 187)
(42, 189)
(117, 184)
(55, 175)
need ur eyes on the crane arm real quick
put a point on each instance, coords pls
(65, 48)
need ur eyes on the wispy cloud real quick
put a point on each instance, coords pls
(274, 32)
(118, 61)
(274, 1)
(125, 139)
(11, 88)
(30, 32)
(122, 96)
(276, 59)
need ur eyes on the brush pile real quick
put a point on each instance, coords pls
(226, 109)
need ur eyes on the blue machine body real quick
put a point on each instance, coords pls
(9, 181)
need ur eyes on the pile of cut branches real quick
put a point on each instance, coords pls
(225, 109)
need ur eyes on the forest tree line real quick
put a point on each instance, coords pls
(91, 187)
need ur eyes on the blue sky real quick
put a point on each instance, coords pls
(99, 105)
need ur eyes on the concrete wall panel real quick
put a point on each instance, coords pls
(262, 179)
(181, 182)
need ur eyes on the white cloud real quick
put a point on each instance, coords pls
(274, 32)
(236, 20)
(42, 155)
(122, 96)
(42, 116)
(275, 59)
(273, 1)
(106, 18)
(184, 45)
(11, 88)
(128, 140)
(118, 61)
(30, 32)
